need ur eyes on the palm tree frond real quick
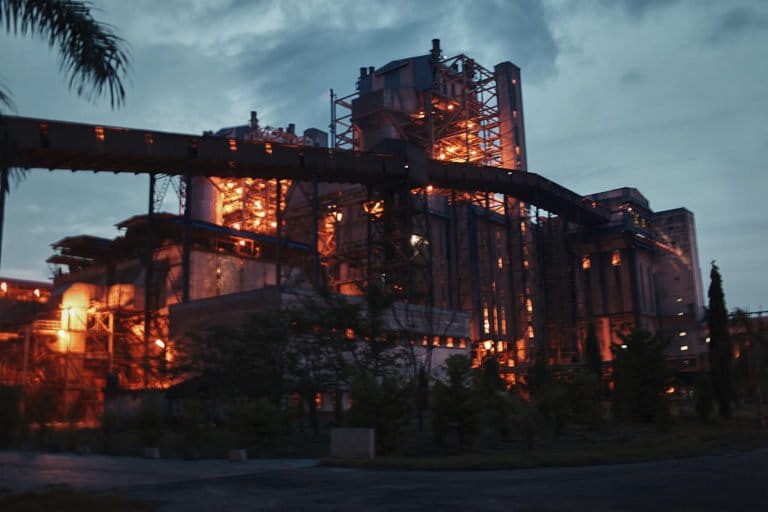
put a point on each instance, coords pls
(90, 52)
(5, 98)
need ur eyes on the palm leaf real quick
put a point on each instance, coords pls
(91, 54)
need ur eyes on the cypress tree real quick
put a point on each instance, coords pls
(592, 353)
(720, 345)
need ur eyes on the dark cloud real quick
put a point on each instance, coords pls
(617, 93)
(633, 76)
(638, 9)
(735, 23)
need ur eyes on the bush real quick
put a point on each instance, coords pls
(254, 422)
(42, 405)
(453, 402)
(381, 404)
(194, 422)
(149, 421)
(639, 374)
(705, 397)
(10, 418)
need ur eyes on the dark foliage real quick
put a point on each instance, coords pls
(91, 54)
(720, 345)
(381, 404)
(453, 404)
(639, 376)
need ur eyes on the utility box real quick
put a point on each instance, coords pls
(353, 443)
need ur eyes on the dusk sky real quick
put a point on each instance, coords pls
(666, 96)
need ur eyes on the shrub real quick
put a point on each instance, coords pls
(10, 418)
(149, 421)
(453, 402)
(254, 422)
(381, 404)
(705, 397)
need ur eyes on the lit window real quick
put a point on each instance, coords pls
(680, 313)
(679, 299)
(616, 258)
(586, 262)
(449, 341)
(529, 305)
(682, 333)
(436, 341)
(530, 331)
(500, 263)
(683, 348)
(624, 347)
(99, 131)
(706, 340)
(4, 287)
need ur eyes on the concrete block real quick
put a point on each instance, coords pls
(353, 443)
(238, 455)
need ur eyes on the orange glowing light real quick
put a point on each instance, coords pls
(616, 258)
(232, 144)
(236, 225)
(373, 207)
(160, 343)
(242, 243)
(37, 292)
(4, 287)
(99, 131)
(430, 188)
(586, 262)
(268, 148)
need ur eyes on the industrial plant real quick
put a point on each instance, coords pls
(420, 187)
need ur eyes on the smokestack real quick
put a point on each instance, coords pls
(363, 74)
(371, 69)
(436, 48)
(291, 128)
(254, 123)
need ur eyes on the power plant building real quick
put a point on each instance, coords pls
(481, 256)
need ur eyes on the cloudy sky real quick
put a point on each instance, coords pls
(668, 96)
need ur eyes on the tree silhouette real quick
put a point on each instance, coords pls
(91, 54)
(720, 344)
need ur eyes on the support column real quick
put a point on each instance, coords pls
(279, 233)
(187, 236)
(315, 234)
(148, 264)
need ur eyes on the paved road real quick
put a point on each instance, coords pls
(26, 470)
(737, 482)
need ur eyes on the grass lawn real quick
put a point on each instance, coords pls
(65, 499)
(614, 444)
